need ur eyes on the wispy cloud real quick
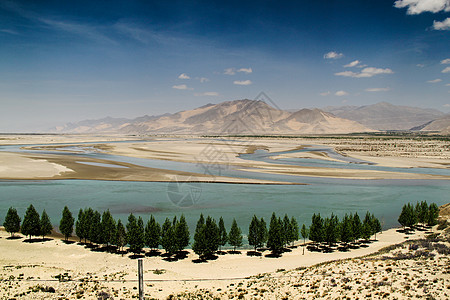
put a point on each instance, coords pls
(352, 64)
(210, 94)
(365, 73)
(9, 31)
(184, 76)
(445, 61)
(446, 70)
(448, 84)
(444, 25)
(416, 7)
(229, 71)
(245, 70)
(242, 82)
(341, 93)
(435, 80)
(181, 87)
(420, 65)
(203, 79)
(377, 89)
(325, 93)
(333, 55)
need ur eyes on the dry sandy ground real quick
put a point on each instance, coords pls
(214, 155)
(31, 271)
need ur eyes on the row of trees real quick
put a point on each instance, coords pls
(330, 230)
(173, 235)
(421, 213)
(33, 224)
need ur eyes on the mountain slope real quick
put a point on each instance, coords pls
(230, 117)
(386, 116)
(441, 125)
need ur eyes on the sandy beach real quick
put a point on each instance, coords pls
(29, 268)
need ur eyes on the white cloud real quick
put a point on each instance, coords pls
(446, 70)
(184, 76)
(365, 73)
(420, 65)
(416, 7)
(245, 70)
(445, 61)
(325, 94)
(448, 84)
(333, 55)
(229, 71)
(446, 105)
(211, 94)
(444, 25)
(203, 79)
(352, 64)
(378, 89)
(181, 87)
(434, 80)
(243, 82)
(341, 93)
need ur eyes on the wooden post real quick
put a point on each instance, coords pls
(141, 279)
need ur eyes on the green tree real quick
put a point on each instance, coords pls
(12, 221)
(95, 230)
(403, 218)
(331, 229)
(182, 235)
(376, 226)
(168, 241)
(367, 227)
(88, 216)
(357, 227)
(286, 230)
(254, 237)
(294, 232)
(45, 224)
(433, 214)
(235, 235)
(80, 226)
(108, 228)
(275, 238)
(120, 238)
(262, 232)
(305, 233)
(422, 212)
(199, 246)
(66, 223)
(223, 236)
(152, 233)
(31, 222)
(211, 235)
(316, 230)
(135, 233)
(346, 229)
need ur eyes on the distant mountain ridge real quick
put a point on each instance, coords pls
(386, 116)
(230, 117)
(441, 125)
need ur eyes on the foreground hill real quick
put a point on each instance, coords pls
(230, 117)
(386, 116)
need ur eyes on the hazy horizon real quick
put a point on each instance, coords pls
(67, 62)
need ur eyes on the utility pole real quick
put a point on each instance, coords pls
(141, 279)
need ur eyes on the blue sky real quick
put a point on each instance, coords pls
(72, 60)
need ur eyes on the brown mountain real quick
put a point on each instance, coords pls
(386, 116)
(230, 117)
(441, 125)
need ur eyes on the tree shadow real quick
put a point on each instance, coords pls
(153, 253)
(205, 258)
(136, 256)
(286, 250)
(220, 252)
(234, 252)
(343, 249)
(181, 254)
(292, 247)
(14, 237)
(68, 242)
(33, 240)
(121, 252)
(254, 253)
(273, 254)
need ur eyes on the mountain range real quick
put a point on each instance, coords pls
(258, 117)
